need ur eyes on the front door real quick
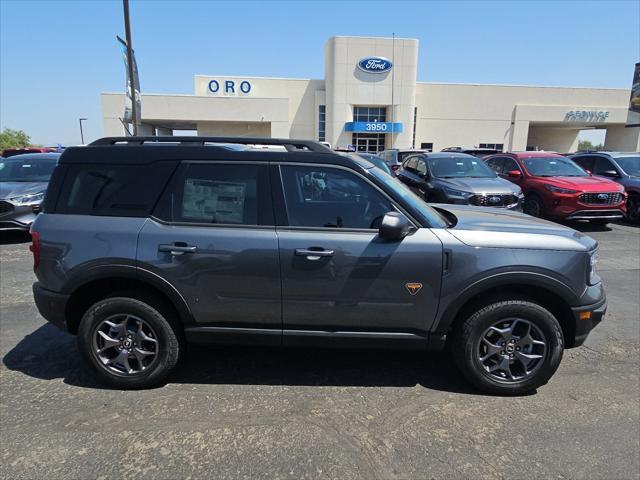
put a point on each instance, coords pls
(337, 274)
(214, 241)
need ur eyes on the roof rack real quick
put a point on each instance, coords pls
(289, 144)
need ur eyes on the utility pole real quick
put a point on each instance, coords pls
(80, 120)
(132, 80)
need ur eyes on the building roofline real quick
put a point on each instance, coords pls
(263, 78)
(372, 38)
(515, 85)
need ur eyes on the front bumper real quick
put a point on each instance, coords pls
(595, 313)
(613, 214)
(51, 305)
(17, 217)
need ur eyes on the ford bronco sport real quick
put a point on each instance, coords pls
(145, 244)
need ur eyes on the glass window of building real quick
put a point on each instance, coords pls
(322, 122)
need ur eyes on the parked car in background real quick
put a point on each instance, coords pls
(556, 187)
(446, 177)
(476, 152)
(23, 183)
(147, 243)
(620, 167)
(10, 152)
(395, 157)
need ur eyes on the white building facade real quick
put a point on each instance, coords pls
(370, 100)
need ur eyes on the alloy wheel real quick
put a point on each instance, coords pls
(512, 350)
(125, 345)
(532, 207)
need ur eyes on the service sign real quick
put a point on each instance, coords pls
(375, 65)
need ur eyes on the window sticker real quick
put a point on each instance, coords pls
(213, 201)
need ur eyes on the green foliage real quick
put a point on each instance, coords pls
(13, 139)
(587, 145)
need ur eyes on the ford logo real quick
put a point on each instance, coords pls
(375, 65)
(494, 199)
(603, 196)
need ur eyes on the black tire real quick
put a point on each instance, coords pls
(633, 208)
(533, 205)
(469, 333)
(168, 346)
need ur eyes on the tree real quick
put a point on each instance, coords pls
(14, 139)
(587, 145)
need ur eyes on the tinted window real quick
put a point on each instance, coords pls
(113, 190)
(602, 165)
(32, 169)
(509, 165)
(218, 193)
(495, 164)
(411, 163)
(631, 165)
(331, 197)
(421, 167)
(585, 162)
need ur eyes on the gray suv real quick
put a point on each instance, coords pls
(460, 178)
(148, 243)
(621, 167)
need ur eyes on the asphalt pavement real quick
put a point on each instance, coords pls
(271, 413)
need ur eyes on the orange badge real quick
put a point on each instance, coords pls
(413, 287)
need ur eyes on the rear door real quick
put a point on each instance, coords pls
(213, 239)
(337, 274)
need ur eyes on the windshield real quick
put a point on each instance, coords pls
(630, 165)
(26, 170)
(434, 218)
(377, 161)
(459, 166)
(553, 167)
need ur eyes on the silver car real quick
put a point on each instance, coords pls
(23, 183)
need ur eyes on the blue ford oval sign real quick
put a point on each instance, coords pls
(375, 65)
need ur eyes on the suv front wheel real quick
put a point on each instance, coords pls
(509, 347)
(128, 342)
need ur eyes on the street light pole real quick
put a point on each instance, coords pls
(80, 120)
(127, 31)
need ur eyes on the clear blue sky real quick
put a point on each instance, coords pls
(57, 56)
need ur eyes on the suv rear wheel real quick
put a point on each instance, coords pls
(510, 347)
(128, 342)
(533, 205)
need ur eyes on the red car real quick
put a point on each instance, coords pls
(556, 187)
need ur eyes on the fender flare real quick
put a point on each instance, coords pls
(504, 279)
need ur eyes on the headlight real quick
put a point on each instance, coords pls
(27, 199)
(566, 191)
(593, 275)
(457, 193)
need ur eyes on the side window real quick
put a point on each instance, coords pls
(331, 198)
(495, 164)
(421, 167)
(602, 165)
(411, 164)
(509, 165)
(218, 193)
(585, 162)
(113, 190)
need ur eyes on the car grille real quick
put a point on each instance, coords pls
(491, 200)
(607, 198)
(5, 208)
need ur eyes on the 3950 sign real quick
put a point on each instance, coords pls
(376, 127)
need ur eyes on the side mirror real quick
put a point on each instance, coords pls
(514, 174)
(610, 173)
(394, 226)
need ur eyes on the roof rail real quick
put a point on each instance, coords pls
(290, 144)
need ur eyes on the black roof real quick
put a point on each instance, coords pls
(142, 150)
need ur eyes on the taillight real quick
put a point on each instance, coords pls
(35, 248)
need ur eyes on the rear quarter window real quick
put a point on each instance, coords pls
(113, 190)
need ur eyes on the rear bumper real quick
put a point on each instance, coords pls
(584, 326)
(51, 305)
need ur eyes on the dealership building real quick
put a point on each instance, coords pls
(370, 99)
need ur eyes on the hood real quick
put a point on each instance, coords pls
(15, 189)
(481, 185)
(498, 228)
(584, 184)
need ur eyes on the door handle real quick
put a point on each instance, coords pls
(177, 249)
(313, 254)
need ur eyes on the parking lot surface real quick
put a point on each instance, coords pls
(252, 413)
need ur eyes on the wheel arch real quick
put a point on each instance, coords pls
(547, 291)
(99, 283)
